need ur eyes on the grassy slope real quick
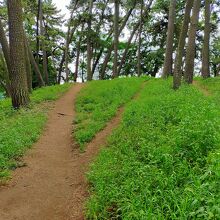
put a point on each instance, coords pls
(211, 84)
(163, 162)
(98, 103)
(20, 129)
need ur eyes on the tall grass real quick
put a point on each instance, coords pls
(162, 162)
(98, 103)
(20, 129)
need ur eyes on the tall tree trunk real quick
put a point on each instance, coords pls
(63, 59)
(77, 61)
(89, 43)
(168, 63)
(6, 52)
(111, 48)
(100, 53)
(116, 39)
(180, 50)
(206, 49)
(60, 69)
(5, 46)
(140, 41)
(78, 55)
(68, 40)
(38, 32)
(5, 76)
(35, 65)
(143, 18)
(19, 90)
(28, 66)
(43, 46)
(191, 48)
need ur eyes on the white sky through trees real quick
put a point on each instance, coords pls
(61, 4)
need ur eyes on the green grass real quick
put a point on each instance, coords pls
(98, 103)
(210, 84)
(163, 162)
(20, 129)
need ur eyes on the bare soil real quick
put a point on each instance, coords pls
(52, 185)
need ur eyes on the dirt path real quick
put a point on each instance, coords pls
(53, 186)
(201, 88)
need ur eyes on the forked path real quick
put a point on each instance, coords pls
(53, 186)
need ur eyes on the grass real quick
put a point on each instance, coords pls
(211, 84)
(20, 129)
(163, 162)
(98, 103)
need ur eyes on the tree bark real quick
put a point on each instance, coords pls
(168, 62)
(89, 43)
(5, 77)
(111, 48)
(28, 67)
(42, 33)
(67, 43)
(35, 65)
(19, 90)
(78, 55)
(206, 48)
(5, 46)
(191, 49)
(180, 50)
(116, 39)
(140, 41)
(144, 16)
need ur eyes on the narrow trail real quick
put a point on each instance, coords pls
(53, 185)
(205, 91)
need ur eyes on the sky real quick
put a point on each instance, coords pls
(61, 4)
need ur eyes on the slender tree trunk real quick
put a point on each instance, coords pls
(5, 46)
(6, 52)
(191, 49)
(206, 49)
(68, 40)
(111, 48)
(116, 39)
(144, 16)
(19, 90)
(28, 67)
(38, 32)
(63, 59)
(168, 63)
(35, 65)
(140, 41)
(60, 69)
(77, 61)
(89, 43)
(100, 54)
(83, 61)
(78, 55)
(5, 76)
(180, 50)
(43, 46)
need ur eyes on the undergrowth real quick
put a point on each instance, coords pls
(163, 161)
(20, 129)
(98, 103)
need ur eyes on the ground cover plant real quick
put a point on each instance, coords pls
(163, 161)
(19, 129)
(98, 103)
(212, 85)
